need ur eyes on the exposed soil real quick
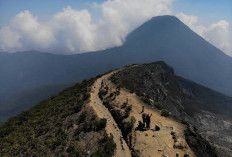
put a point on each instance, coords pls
(146, 143)
(101, 111)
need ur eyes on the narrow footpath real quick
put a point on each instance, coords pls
(122, 149)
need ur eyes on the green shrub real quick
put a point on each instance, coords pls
(185, 122)
(101, 124)
(111, 95)
(113, 79)
(165, 113)
(145, 100)
(127, 127)
(107, 147)
(92, 125)
(158, 106)
(86, 96)
(107, 105)
(73, 150)
(100, 95)
(132, 122)
(82, 117)
(138, 93)
(118, 87)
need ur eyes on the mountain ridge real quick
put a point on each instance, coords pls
(99, 118)
(195, 60)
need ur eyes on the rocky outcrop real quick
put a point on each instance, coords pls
(208, 110)
(127, 109)
(217, 130)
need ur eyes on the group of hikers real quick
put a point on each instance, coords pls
(145, 124)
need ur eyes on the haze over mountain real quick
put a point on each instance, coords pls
(28, 77)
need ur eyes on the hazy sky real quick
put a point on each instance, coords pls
(75, 26)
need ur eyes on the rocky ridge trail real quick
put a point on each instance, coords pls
(168, 141)
(122, 149)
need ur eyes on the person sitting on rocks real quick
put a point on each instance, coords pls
(140, 126)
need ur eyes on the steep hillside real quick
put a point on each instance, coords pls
(167, 137)
(64, 125)
(161, 38)
(158, 86)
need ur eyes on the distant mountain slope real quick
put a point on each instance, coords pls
(208, 110)
(29, 77)
(167, 38)
(161, 38)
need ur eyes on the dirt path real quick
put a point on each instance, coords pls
(122, 149)
(153, 143)
(146, 143)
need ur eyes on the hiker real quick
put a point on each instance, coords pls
(144, 115)
(148, 121)
(140, 126)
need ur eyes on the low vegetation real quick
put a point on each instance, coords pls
(107, 147)
(158, 106)
(121, 115)
(165, 113)
(49, 128)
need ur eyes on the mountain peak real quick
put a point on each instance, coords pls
(160, 26)
(165, 18)
(167, 38)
